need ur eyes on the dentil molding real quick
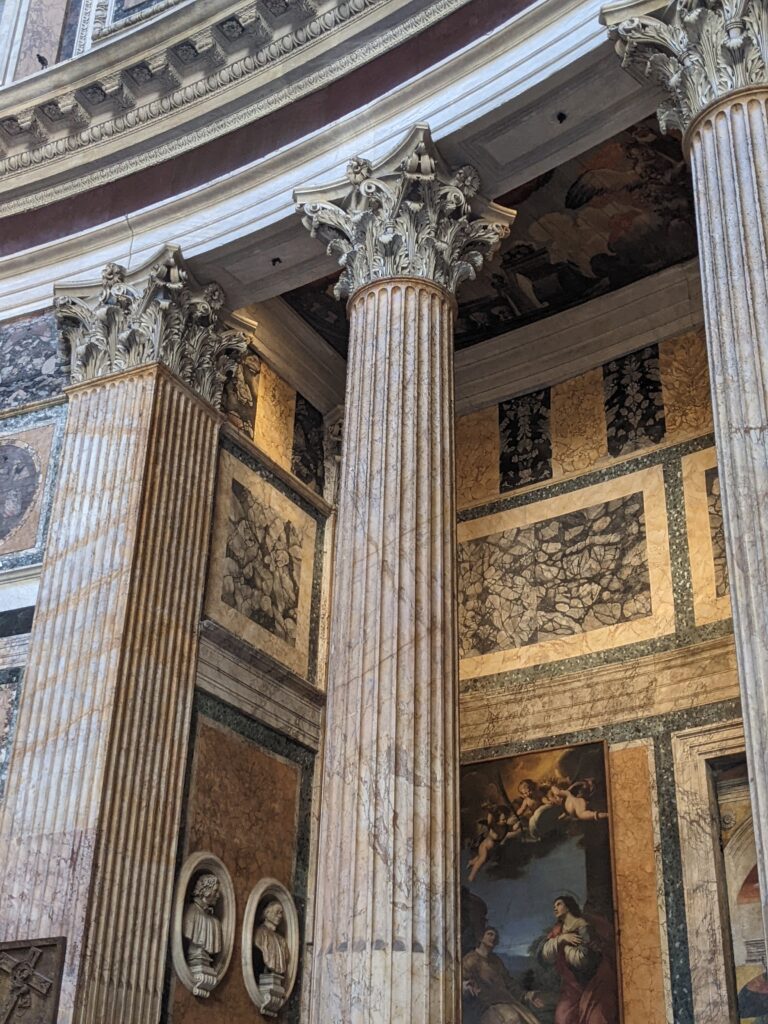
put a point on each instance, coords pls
(136, 98)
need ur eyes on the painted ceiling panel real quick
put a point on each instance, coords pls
(614, 215)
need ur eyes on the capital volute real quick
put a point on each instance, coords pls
(697, 51)
(157, 312)
(407, 216)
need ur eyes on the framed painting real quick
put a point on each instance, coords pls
(537, 893)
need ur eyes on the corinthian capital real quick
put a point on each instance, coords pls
(408, 216)
(157, 313)
(698, 51)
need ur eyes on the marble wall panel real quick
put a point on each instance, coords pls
(634, 404)
(685, 386)
(706, 540)
(42, 34)
(31, 365)
(275, 415)
(598, 696)
(577, 424)
(307, 455)
(639, 894)
(261, 571)
(477, 456)
(584, 571)
(525, 455)
(10, 691)
(241, 394)
(24, 463)
(248, 804)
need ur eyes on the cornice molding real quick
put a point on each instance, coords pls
(150, 99)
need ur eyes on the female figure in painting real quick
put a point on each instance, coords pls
(499, 824)
(491, 990)
(580, 957)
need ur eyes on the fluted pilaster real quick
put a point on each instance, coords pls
(90, 822)
(93, 804)
(710, 58)
(385, 937)
(386, 923)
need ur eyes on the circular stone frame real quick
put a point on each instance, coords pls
(193, 865)
(269, 888)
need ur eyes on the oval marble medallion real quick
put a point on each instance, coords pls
(19, 481)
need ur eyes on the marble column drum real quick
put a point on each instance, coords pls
(729, 160)
(711, 59)
(91, 817)
(386, 941)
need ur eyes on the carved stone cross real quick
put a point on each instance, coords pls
(24, 981)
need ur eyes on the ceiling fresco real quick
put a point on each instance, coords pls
(609, 217)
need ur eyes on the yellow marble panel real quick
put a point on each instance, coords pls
(601, 695)
(685, 386)
(262, 565)
(642, 953)
(477, 456)
(707, 606)
(275, 415)
(661, 620)
(577, 424)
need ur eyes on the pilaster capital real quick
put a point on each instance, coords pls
(408, 216)
(156, 313)
(697, 51)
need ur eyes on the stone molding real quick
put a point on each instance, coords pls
(158, 313)
(152, 95)
(406, 217)
(698, 51)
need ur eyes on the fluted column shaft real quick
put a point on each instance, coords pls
(729, 159)
(91, 817)
(386, 918)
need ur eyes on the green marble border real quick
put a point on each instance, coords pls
(55, 415)
(659, 729)
(12, 678)
(273, 742)
(686, 632)
(228, 444)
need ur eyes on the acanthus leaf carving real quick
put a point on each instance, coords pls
(157, 314)
(697, 51)
(409, 217)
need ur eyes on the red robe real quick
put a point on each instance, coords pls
(593, 1002)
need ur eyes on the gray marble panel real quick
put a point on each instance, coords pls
(570, 574)
(32, 367)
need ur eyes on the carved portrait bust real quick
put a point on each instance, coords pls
(270, 946)
(203, 926)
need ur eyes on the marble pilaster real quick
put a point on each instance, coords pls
(709, 57)
(90, 821)
(385, 939)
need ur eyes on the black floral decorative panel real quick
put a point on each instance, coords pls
(634, 406)
(525, 452)
(308, 452)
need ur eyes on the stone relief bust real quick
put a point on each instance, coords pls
(203, 925)
(270, 946)
(202, 929)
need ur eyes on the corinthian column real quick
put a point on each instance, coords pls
(89, 829)
(407, 233)
(709, 57)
